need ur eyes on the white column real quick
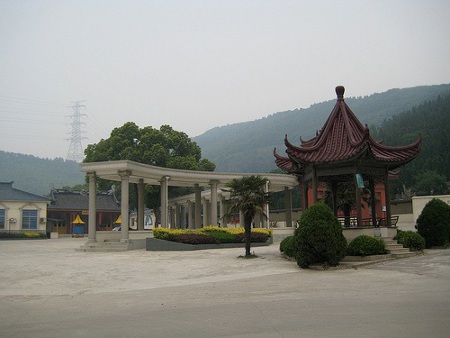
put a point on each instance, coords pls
(205, 212)
(92, 231)
(222, 211)
(266, 219)
(171, 217)
(165, 202)
(141, 205)
(213, 219)
(257, 220)
(183, 216)
(198, 206)
(176, 216)
(190, 224)
(125, 192)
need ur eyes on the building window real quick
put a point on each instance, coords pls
(29, 219)
(2, 218)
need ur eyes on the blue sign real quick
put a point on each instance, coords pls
(360, 181)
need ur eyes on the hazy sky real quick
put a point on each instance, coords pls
(196, 65)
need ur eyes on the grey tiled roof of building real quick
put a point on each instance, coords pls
(9, 193)
(79, 200)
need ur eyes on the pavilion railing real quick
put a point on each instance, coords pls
(352, 222)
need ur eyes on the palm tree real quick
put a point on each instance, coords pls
(346, 198)
(248, 196)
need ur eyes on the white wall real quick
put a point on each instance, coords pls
(13, 214)
(419, 202)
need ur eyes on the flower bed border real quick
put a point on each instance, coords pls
(155, 244)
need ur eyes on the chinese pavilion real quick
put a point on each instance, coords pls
(343, 151)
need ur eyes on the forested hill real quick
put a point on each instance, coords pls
(37, 175)
(431, 121)
(248, 146)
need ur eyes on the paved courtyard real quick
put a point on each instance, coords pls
(47, 289)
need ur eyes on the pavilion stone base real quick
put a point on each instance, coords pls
(278, 234)
(349, 233)
(352, 233)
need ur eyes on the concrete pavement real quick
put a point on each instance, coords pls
(49, 290)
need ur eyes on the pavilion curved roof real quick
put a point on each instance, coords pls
(344, 139)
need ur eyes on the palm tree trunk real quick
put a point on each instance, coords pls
(347, 209)
(248, 234)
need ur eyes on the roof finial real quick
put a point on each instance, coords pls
(340, 92)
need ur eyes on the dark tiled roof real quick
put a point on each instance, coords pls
(68, 200)
(8, 193)
(343, 138)
(284, 163)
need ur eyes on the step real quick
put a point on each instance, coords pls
(104, 246)
(396, 248)
(403, 254)
(98, 249)
(390, 241)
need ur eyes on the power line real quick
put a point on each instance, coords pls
(21, 100)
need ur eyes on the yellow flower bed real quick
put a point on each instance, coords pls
(30, 234)
(163, 233)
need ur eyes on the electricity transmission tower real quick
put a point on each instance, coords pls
(75, 152)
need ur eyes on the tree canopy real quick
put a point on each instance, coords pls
(162, 147)
(430, 183)
(429, 120)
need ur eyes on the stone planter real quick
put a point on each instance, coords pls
(155, 244)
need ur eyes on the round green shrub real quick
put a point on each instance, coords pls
(411, 240)
(433, 223)
(318, 237)
(365, 246)
(414, 241)
(287, 246)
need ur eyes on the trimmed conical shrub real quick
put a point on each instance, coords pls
(433, 223)
(319, 238)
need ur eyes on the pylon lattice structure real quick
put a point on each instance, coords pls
(75, 152)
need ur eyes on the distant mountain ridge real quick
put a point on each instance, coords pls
(242, 147)
(248, 146)
(37, 175)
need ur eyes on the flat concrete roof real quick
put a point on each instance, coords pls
(110, 170)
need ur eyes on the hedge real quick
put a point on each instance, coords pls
(211, 234)
(319, 238)
(411, 240)
(287, 246)
(433, 223)
(364, 245)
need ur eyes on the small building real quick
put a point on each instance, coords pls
(21, 210)
(68, 211)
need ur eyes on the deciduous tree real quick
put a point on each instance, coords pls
(162, 147)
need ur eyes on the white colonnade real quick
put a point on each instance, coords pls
(180, 212)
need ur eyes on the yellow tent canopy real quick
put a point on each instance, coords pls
(78, 220)
(118, 220)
